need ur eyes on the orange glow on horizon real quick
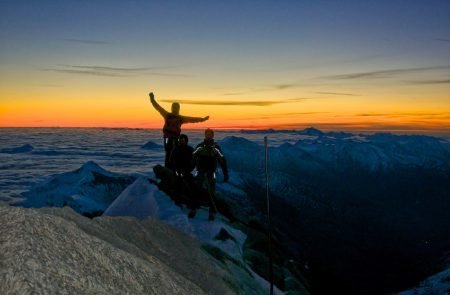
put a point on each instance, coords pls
(133, 110)
(391, 123)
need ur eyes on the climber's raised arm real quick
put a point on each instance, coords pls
(194, 119)
(157, 107)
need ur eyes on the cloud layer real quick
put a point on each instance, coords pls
(106, 71)
(235, 102)
(86, 41)
(385, 73)
(337, 93)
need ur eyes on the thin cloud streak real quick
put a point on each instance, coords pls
(234, 93)
(445, 81)
(338, 93)
(110, 71)
(371, 115)
(85, 72)
(284, 86)
(396, 115)
(51, 85)
(385, 73)
(86, 41)
(272, 87)
(442, 39)
(304, 113)
(234, 103)
(283, 115)
(359, 59)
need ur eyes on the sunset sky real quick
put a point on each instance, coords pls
(335, 65)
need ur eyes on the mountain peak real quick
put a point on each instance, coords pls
(150, 145)
(312, 131)
(91, 166)
(232, 142)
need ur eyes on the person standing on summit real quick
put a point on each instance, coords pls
(206, 155)
(172, 126)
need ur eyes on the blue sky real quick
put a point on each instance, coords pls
(243, 49)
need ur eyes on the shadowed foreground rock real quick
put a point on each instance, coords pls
(57, 251)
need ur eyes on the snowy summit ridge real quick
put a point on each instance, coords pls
(91, 187)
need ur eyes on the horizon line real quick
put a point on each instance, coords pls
(354, 131)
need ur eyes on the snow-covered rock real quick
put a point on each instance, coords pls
(150, 145)
(17, 150)
(142, 199)
(136, 200)
(88, 189)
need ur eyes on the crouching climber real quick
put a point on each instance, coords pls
(182, 162)
(206, 155)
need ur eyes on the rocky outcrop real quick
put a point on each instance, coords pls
(57, 251)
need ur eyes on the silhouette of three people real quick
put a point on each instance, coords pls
(182, 158)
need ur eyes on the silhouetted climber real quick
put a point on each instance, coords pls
(181, 158)
(182, 162)
(172, 125)
(206, 156)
